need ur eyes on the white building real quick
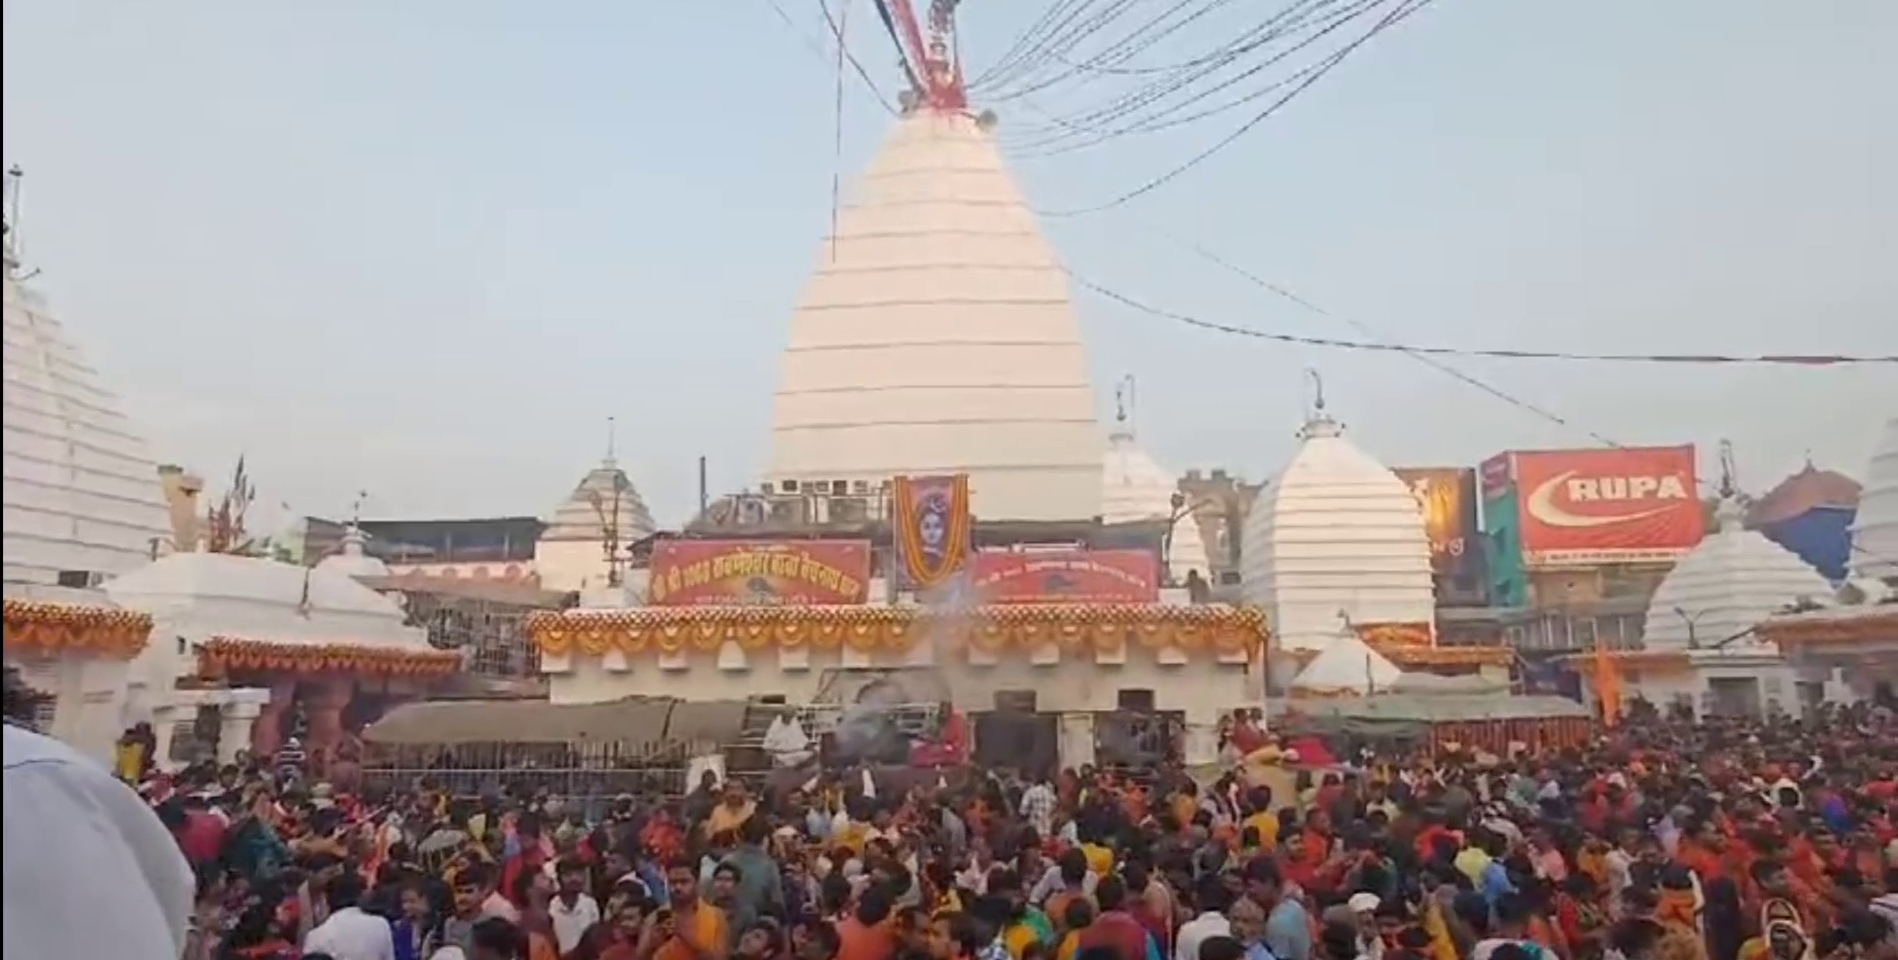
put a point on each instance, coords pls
(1336, 533)
(1346, 667)
(1135, 488)
(283, 630)
(1875, 531)
(1701, 646)
(571, 552)
(82, 504)
(936, 337)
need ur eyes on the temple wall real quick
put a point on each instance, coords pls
(1202, 685)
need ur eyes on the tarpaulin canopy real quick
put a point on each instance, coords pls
(1401, 715)
(631, 721)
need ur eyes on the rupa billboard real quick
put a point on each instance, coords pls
(1612, 505)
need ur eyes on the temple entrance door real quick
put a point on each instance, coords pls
(1029, 742)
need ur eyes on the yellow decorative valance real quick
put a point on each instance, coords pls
(1846, 626)
(59, 628)
(672, 630)
(221, 656)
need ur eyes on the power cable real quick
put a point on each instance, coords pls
(1801, 360)
(1286, 22)
(1166, 119)
(1423, 358)
(1396, 16)
(837, 32)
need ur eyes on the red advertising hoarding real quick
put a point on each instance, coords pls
(1613, 505)
(759, 573)
(1067, 576)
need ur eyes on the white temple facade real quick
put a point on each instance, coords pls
(199, 598)
(571, 552)
(82, 503)
(1701, 648)
(1336, 533)
(82, 497)
(1875, 533)
(1135, 488)
(1346, 667)
(937, 336)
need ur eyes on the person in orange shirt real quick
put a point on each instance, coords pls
(692, 929)
(866, 934)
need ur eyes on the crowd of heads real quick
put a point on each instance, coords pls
(1672, 838)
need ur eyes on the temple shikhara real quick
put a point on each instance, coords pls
(951, 556)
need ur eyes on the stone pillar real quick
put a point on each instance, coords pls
(267, 732)
(324, 706)
(1075, 740)
(164, 723)
(237, 723)
(1202, 735)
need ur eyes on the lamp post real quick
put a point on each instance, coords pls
(1178, 510)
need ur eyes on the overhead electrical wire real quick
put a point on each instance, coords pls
(1427, 360)
(1172, 115)
(1180, 76)
(1795, 360)
(1403, 12)
(837, 32)
(1029, 43)
(1146, 36)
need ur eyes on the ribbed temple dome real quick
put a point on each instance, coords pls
(1727, 585)
(586, 511)
(937, 336)
(1134, 488)
(82, 494)
(1336, 532)
(1875, 535)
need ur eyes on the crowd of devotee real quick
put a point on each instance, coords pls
(1663, 839)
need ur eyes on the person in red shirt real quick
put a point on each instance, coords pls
(1113, 926)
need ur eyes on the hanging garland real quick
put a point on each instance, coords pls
(54, 628)
(221, 656)
(673, 630)
(925, 571)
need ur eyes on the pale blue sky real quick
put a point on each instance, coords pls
(425, 247)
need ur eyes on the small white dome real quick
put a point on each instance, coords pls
(81, 491)
(1335, 533)
(1875, 534)
(1347, 665)
(263, 599)
(1134, 488)
(1727, 585)
(585, 512)
(353, 560)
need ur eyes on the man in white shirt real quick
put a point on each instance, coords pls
(1212, 922)
(90, 871)
(573, 909)
(349, 933)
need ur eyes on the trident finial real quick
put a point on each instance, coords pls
(1124, 399)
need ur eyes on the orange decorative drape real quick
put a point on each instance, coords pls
(59, 628)
(672, 630)
(220, 656)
